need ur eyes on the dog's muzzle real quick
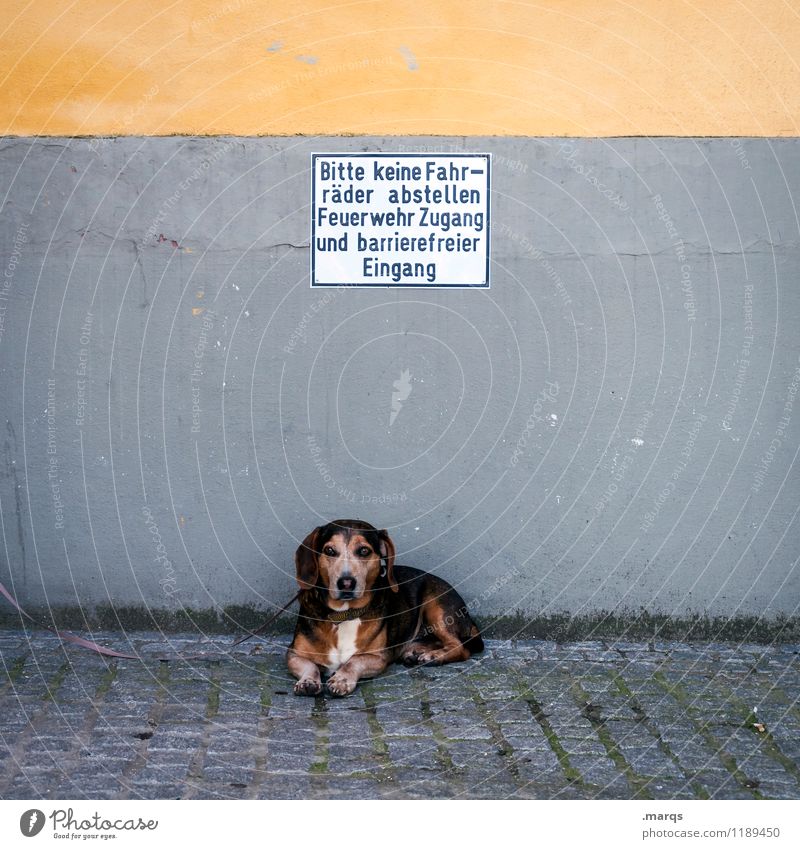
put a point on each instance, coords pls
(346, 587)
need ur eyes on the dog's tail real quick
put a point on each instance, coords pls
(474, 643)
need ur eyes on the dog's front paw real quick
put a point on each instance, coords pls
(308, 687)
(429, 658)
(340, 685)
(418, 656)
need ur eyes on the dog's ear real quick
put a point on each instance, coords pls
(306, 562)
(387, 553)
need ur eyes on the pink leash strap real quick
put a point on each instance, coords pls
(68, 638)
(96, 647)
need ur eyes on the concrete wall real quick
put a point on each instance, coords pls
(609, 427)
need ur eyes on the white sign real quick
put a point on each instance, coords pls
(387, 219)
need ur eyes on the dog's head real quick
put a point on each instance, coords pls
(344, 558)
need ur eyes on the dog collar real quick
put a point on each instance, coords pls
(337, 616)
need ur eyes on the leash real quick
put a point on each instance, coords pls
(66, 637)
(264, 625)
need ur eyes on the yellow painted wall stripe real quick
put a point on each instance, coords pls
(448, 67)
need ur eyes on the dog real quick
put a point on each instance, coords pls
(359, 612)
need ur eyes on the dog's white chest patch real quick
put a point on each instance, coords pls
(345, 646)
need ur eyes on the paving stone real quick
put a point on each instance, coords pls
(595, 770)
(362, 788)
(492, 788)
(660, 788)
(511, 723)
(285, 787)
(427, 788)
(419, 752)
(466, 730)
(468, 753)
(155, 790)
(778, 789)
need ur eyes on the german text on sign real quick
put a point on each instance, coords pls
(385, 219)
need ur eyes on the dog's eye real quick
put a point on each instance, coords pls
(331, 552)
(364, 551)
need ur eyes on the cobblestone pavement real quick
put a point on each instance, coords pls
(526, 719)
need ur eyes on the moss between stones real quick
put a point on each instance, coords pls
(679, 693)
(558, 627)
(378, 738)
(56, 681)
(319, 717)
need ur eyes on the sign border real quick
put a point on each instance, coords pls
(418, 286)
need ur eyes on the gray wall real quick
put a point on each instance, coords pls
(609, 427)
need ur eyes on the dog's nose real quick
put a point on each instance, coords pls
(347, 583)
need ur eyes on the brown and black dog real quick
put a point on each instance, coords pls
(358, 615)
